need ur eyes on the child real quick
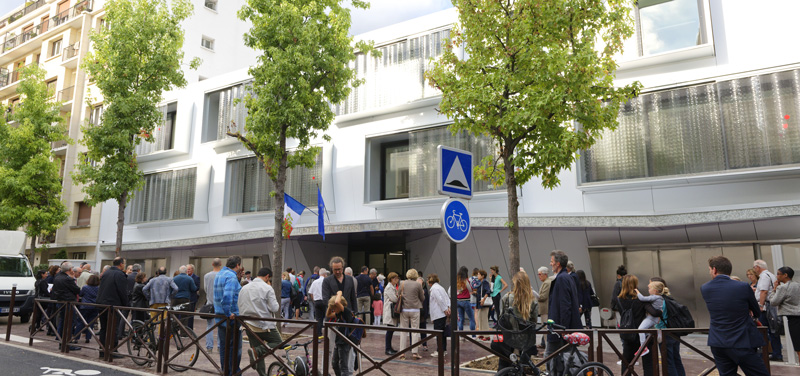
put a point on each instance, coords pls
(338, 312)
(377, 308)
(656, 300)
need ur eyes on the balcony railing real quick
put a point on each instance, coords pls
(4, 77)
(66, 95)
(70, 52)
(28, 9)
(13, 41)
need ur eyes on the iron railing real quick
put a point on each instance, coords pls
(66, 94)
(71, 51)
(13, 41)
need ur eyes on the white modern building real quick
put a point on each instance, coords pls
(54, 34)
(704, 162)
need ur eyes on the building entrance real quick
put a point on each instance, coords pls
(386, 252)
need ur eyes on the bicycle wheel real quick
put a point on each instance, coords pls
(301, 366)
(141, 340)
(510, 371)
(182, 339)
(593, 369)
(276, 369)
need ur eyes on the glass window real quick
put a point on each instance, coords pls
(394, 170)
(207, 43)
(55, 48)
(211, 4)
(665, 25)
(165, 196)
(742, 123)
(84, 214)
(249, 187)
(96, 115)
(163, 134)
(51, 87)
(14, 267)
(222, 113)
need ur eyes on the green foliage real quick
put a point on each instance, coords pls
(60, 255)
(30, 185)
(41, 267)
(133, 62)
(534, 67)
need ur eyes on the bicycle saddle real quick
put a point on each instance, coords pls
(577, 338)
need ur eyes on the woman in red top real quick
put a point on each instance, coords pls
(463, 293)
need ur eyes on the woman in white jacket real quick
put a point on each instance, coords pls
(389, 300)
(439, 308)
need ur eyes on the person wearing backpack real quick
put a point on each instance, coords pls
(632, 313)
(674, 361)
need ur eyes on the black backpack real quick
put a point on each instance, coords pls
(678, 316)
(626, 321)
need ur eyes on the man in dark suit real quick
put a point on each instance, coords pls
(113, 291)
(732, 336)
(336, 282)
(194, 296)
(130, 282)
(563, 301)
(65, 289)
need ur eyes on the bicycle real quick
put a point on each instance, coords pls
(143, 343)
(301, 365)
(523, 338)
(461, 223)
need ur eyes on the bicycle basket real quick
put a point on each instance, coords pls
(518, 333)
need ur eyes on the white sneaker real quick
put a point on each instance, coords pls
(436, 354)
(619, 362)
(646, 351)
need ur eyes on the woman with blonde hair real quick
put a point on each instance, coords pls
(656, 300)
(628, 300)
(522, 303)
(752, 279)
(412, 297)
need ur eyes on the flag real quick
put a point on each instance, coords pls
(320, 214)
(292, 210)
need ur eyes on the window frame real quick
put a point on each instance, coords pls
(384, 146)
(55, 47)
(207, 40)
(214, 3)
(83, 215)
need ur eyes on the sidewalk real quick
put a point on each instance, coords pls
(373, 344)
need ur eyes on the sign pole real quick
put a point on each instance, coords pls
(453, 303)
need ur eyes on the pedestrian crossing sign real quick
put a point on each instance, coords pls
(455, 172)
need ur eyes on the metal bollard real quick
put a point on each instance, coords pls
(11, 311)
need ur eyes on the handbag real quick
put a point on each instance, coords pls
(487, 302)
(398, 307)
(774, 322)
(208, 308)
(595, 300)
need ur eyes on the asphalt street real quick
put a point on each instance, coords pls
(15, 361)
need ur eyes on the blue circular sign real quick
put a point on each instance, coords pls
(455, 220)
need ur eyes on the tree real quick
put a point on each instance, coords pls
(30, 184)
(304, 66)
(133, 62)
(538, 80)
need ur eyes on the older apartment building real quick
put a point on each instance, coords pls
(55, 35)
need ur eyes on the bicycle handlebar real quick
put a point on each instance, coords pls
(302, 344)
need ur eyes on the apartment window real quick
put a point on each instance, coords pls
(51, 87)
(396, 77)
(85, 158)
(223, 114)
(96, 115)
(249, 186)
(55, 47)
(44, 24)
(666, 25)
(165, 196)
(743, 123)
(163, 134)
(211, 4)
(84, 214)
(404, 167)
(207, 43)
(78, 256)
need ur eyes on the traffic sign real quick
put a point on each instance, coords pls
(455, 220)
(455, 172)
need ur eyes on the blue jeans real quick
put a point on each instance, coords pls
(210, 336)
(465, 307)
(233, 360)
(674, 363)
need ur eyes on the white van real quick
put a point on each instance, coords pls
(15, 269)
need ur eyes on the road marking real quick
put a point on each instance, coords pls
(21, 339)
(81, 360)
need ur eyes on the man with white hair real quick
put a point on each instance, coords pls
(84, 274)
(185, 285)
(544, 295)
(766, 283)
(315, 299)
(64, 290)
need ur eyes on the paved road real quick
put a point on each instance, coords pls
(22, 362)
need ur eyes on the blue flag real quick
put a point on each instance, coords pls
(321, 213)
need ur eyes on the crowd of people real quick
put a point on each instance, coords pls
(565, 296)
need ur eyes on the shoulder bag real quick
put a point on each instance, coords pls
(487, 302)
(398, 307)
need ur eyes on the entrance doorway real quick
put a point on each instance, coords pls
(385, 252)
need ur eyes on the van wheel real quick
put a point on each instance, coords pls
(24, 318)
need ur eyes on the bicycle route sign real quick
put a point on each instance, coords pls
(455, 172)
(455, 220)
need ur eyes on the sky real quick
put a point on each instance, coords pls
(386, 12)
(9, 5)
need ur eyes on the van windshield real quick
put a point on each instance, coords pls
(14, 267)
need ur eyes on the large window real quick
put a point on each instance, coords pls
(406, 170)
(666, 25)
(222, 113)
(165, 196)
(163, 134)
(249, 186)
(743, 123)
(396, 77)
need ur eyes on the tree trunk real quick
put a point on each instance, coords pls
(123, 201)
(277, 234)
(33, 250)
(513, 215)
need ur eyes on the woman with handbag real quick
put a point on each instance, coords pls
(390, 317)
(786, 297)
(410, 302)
(483, 295)
(585, 292)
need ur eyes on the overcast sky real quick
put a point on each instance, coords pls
(386, 12)
(9, 5)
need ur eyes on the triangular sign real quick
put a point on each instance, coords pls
(456, 178)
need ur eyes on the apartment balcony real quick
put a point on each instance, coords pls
(19, 44)
(22, 13)
(69, 58)
(66, 95)
(9, 79)
(60, 147)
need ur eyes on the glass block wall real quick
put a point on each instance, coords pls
(165, 196)
(727, 125)
(249, 186)
(396, 77)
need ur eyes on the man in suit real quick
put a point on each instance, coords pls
(337, 281)
(732, 336)
(194, 296)
(563, 301)
(113, 291)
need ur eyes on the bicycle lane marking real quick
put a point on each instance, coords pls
(34, 362)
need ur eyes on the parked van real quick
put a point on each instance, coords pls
(15, 269)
